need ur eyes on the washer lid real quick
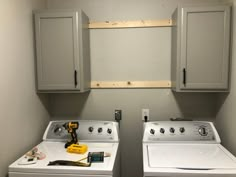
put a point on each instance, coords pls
(190, 156)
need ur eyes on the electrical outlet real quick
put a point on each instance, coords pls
(145, 113)
(118, 115)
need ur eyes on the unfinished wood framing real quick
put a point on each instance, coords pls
(130, 84)
(130, 24)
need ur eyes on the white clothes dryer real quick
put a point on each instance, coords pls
(185, 149)
(99, 136)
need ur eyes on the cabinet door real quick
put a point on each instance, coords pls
(57, 50)
(205, 33)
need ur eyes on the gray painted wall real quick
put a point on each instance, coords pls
(130, 54)
(226, 117)
(23, 114)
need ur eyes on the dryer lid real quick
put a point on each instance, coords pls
(190, 156)
(56, 151)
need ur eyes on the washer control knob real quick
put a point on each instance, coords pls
(162, 130)
(90, 129)
(100, 130)
(109, 131)
(172, 130)
(152, 131)
(202, 131)
(182, 129)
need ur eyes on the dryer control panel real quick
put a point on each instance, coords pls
(89, 130)
(180, 131)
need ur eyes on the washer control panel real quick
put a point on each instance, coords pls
(181, 131)
(87, 131)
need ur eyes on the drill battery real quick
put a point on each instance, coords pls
(77, 148)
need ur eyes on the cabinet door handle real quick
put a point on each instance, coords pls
(75, 77)
(184, 77)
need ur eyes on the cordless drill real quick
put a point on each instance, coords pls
(71, 127)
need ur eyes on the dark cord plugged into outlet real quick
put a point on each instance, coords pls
(118, 116)
(145, 118)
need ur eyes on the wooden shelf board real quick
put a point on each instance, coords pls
(130, 24)
(130, 84)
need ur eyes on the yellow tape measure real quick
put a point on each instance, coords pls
(77, 148)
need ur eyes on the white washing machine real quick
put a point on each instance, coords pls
(99, 136)
(185, 149)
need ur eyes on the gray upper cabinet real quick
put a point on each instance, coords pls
(200, 48)
(62, 48)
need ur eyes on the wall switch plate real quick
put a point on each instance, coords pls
(145, 114)
(118, 115)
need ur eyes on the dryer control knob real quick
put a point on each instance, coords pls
(109, 131)
(172, 130)
(202, 131)
(182, 129)
(58, 130)
(152, 131)
(100, 130)
(90, 129)
(162, 130)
